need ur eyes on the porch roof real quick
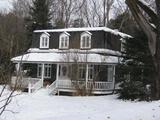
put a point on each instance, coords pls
(64, 58)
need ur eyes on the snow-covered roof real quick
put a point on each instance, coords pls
(97, 51)
(65, 57)
(115, 32)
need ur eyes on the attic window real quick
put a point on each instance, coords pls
(85, 40)
(64, 41)
(44, 40)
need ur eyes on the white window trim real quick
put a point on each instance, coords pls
(44, 35)
(45, 66)
(110, 73)
(85, 34)
(82, 68)
(90, 72)
(122, 44)
(64, 35)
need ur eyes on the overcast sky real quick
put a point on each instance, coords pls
(5, 4)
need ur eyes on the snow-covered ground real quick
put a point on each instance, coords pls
(41, 106)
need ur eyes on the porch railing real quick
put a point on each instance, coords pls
(52, 89)
(27, 82)
(67, 84)
(98, 85)
(33, 87)
(95, 85)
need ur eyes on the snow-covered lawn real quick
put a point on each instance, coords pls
(41, 106)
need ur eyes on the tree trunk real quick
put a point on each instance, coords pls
(153, 38)
(157, 55)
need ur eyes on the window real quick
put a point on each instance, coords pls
(90, 72)
(122, 45)
(44, 40)
(63, 70)
(82, 72)
(64, 41)
(47, 70)
(85, 40)
(110, 73)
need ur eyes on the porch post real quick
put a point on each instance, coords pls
(114, 74)
(86, 76)
(17, 67)
(57, 74)
(42, 75)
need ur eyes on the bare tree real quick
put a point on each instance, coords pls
(97, 13)
(21, 7)
(13, 41)
(64, 10)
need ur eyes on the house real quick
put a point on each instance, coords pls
(70, 59)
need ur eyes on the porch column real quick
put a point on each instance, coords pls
(114, 74)
(57, 74)
(17, 67)
(42, 75)
(86, 76)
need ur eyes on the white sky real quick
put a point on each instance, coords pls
(5, 5)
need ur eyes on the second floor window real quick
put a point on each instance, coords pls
(44, 40)
(64, 41)
(85, 40)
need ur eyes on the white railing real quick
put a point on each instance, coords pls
(33, 84)
(52, 88)
(32, 87)
(23, 81)
(67, 84)
(95, 85)
(98, 85)
(78, 84)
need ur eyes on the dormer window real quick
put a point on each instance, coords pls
(44, 40)
(85, 40)
(64, 40)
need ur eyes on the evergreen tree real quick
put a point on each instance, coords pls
(137, 65)
(136, 70)
(40, 14)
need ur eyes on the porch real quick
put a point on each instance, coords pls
(94, 87)
(61, 75)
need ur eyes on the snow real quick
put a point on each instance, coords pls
(115, 32)
(54, 57)
(41, 106)
(105, 51)
(147, 5)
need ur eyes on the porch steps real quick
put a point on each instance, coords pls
(34, 87)
(53, 92)
(52, 89)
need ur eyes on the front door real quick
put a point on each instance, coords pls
(63, 72)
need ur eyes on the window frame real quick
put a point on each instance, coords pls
(44, 40)
(82, 71)
(85, 39)
(90, 72)
(123, 42)
(110, 73)
(64, 39)
(47, 67)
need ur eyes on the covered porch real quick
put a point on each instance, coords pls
(98, 76)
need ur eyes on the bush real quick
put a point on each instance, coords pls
(131, 90)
